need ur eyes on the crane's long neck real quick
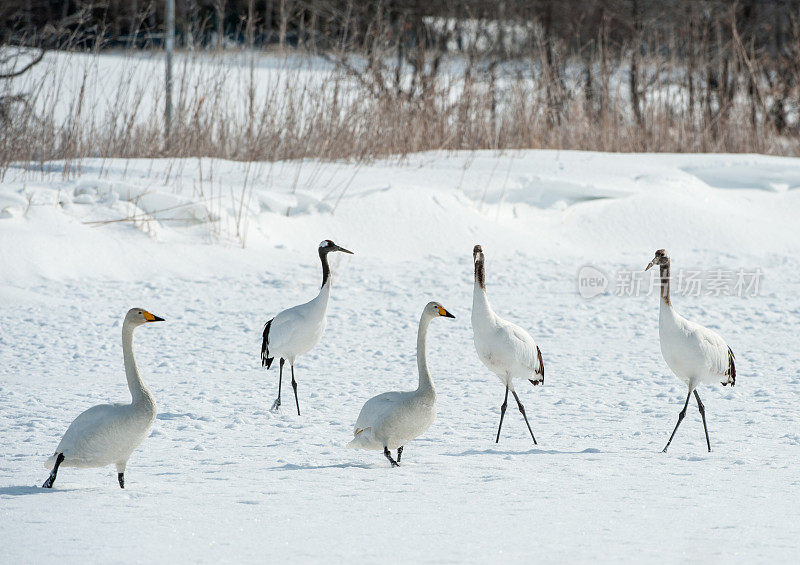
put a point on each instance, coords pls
(326, 270)
(425, 382)
(139, 392)
(480, 302)
(665, 284)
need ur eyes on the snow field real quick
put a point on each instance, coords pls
(221, 478)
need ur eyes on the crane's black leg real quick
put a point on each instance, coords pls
(121, 479)
(502, 414)
(389, 457)
(277, 403)
(681, 415)
(522, 409)
(52, 478)
(294, 386)
(399, 454)
(703, 414)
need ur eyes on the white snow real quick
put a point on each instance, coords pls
(219, 247)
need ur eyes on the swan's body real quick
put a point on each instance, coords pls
(108, 434)
(392, 419)
(696, 354)
(295, 331)
(505, 348)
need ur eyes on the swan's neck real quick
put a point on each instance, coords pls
(665, 284)
(425, 382)
(139, 392)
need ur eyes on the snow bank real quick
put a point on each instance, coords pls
(553, 204)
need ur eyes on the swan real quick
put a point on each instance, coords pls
(697, 355)
(505, 348)
(297, 330)
(108, 433)
(392, 419)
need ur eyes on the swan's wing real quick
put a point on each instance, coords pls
(89, 421)
(376, 409)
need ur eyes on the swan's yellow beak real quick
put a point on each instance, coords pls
(445, 313)
(148, 317)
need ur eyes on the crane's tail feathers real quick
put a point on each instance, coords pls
(266, 360)
(540, 370)
(731, 372)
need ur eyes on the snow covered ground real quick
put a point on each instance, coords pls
(218, 247)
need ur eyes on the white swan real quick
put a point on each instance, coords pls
(505, 348)
(297, 330)
(392, 419)
(108, 433)
(696, 355)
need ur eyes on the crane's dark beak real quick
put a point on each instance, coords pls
(653, 262)
(343, 250)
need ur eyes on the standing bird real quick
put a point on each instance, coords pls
(695, 354)
(108, 433)
(297, 330)
(392, 419)
(505, 348)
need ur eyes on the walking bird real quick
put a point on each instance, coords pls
(505, 348)
(696, 355)
(392, 419)
(108, 433)
(297, 330)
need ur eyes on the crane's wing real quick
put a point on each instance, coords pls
(280, 329)
(718, 355)
(526, 352)
(266, 360)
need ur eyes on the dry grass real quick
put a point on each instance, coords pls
(228, 106)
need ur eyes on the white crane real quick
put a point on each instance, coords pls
(696, 355)
(392, 419)
(108, 433)
(505, 348)
(297, 330)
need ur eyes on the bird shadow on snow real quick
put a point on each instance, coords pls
(24, 490)
(294, 467)
(533, 451)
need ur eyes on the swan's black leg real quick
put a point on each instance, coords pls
(52, 478)
(294, 386)
(277, 403)
(399, 454)
(502, 414)
(522, 409)
(121, 479)
(703, 414)
(389, 457)
(681, 415)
